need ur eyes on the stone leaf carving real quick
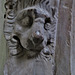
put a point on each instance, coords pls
(30, 31)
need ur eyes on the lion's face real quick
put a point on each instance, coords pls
(32, 29)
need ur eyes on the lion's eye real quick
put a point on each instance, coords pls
(27, 22)
(47, 24)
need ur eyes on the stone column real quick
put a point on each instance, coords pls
(63, 42)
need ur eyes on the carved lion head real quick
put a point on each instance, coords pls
(30, 30)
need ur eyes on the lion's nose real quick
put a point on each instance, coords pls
(37, 37)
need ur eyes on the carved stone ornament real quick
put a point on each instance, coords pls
(30, 32)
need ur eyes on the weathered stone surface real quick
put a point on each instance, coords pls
(2, 39)
(63, 43)
(40, 37)
(30, 31)
(73, 39)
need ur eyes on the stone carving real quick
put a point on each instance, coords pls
(30, 31)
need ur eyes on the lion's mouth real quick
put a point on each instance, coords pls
(31, 48)
(35, 48)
